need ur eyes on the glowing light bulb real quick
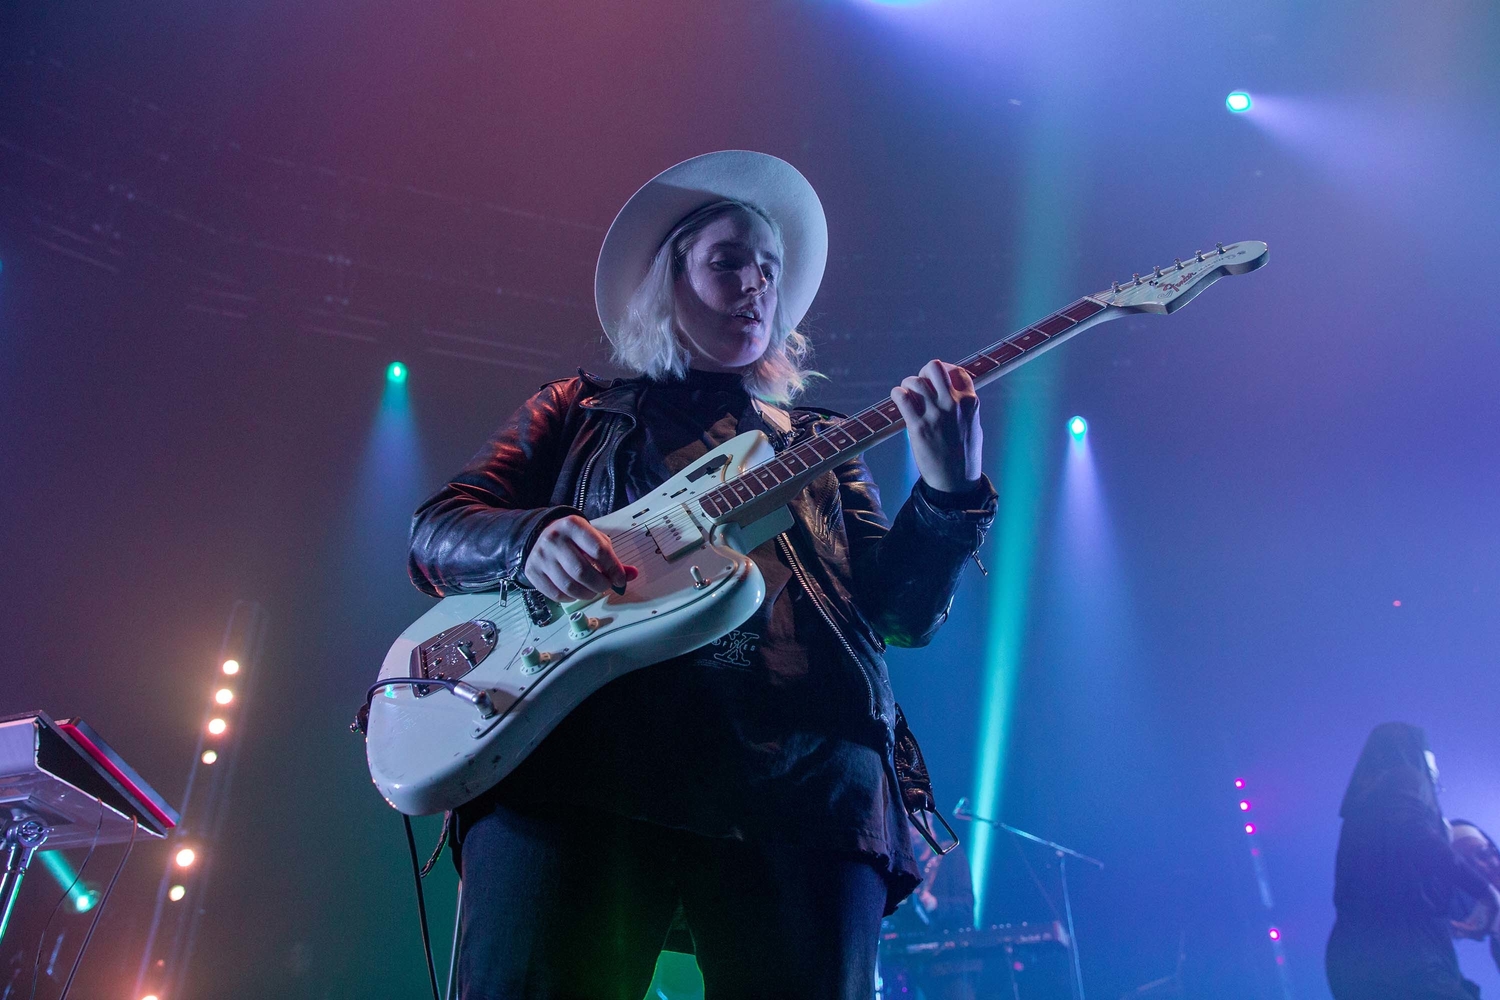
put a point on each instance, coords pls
(1244, 805)
(150, 996)
(209, 756)
(1239, 102)
(1275, 934)
(1249, 827)
(1239, 782)
(396, 372)
(231, 667)
(217, 726)
(176, 893)
(223, 696)
(1078, 427)
(186, 857)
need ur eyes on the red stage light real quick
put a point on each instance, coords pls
(1275, 934)
(1249, 827)
(1239, 782)
(1244, 805)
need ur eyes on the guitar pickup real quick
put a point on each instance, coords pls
(676, 533)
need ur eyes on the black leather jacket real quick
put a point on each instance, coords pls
(876, 582)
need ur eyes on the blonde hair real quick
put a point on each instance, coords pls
(647, 343)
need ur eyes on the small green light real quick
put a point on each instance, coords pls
(396, 372)
(1239, 102)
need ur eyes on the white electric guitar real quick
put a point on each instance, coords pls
(477, 682)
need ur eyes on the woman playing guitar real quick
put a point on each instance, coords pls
(760, 784)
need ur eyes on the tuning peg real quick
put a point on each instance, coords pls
(1137, 278)
(1114, 286)
(1155, 271)
(1198, 255)
(1178, 262)
(1220, 246)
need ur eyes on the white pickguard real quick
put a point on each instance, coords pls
(431, 753)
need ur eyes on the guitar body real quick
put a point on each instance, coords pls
(433, 751)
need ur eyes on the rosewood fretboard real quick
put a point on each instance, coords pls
(772, 483)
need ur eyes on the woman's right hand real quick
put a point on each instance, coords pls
(572, 560)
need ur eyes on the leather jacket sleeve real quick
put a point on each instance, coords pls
(475, 533)
(905, 572)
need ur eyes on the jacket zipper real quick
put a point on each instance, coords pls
(583, 480)
(797, 571)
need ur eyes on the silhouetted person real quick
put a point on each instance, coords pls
(1479, 850)
(1397, 878)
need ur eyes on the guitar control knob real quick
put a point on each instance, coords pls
(580, 625)
(531, 657)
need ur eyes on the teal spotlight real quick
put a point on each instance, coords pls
(396, 372)
(1239, 102)
(1078, 427)
(85, 901)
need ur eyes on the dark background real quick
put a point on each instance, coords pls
(219, 223)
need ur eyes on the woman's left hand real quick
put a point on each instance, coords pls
(942, 422)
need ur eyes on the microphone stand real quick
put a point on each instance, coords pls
(961, 811)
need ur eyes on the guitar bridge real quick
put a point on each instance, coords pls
(452, 653)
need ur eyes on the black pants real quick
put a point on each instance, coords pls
(576, 906)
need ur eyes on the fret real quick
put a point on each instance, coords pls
(980, 365)
(711, 505)
(1082, 311)
(888, 408)
(764, 478)
(875, 420)
(1006, 352)
(855, 428)
(821, 446)
(741, 490)
(1031, 338)
(840, 437)
(804, 454)
(1053, 325)
(792, 462)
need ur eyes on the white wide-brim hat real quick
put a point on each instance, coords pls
(770, 184)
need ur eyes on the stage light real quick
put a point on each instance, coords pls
(1395, 604)
(1275, 934)
(209, 756)
(85, 901)
(217, 726)
(1078, 427)
(396, 372)
(186, 857)
(1249, 827)
(1239, 782)
(150, 996)
(176, 893)
(1239, 102)
(231, 666)
(223, 696)
(1244, 805)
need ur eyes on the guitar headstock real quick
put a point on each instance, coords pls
(1167, 289)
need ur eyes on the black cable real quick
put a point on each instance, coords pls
(99, 910)
(36, 961)
(416, 872)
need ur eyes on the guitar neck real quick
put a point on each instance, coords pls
(761, 489)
